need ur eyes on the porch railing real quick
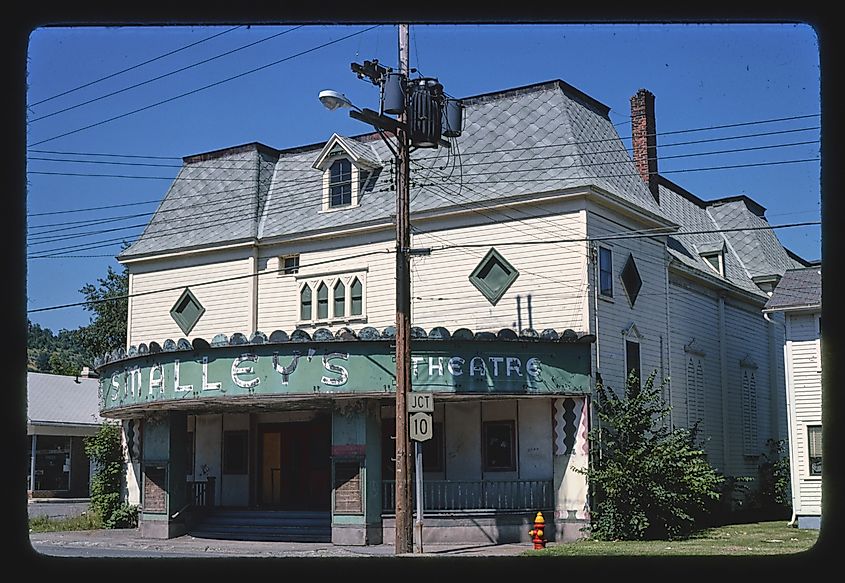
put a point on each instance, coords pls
(201, 493)
(448, 495)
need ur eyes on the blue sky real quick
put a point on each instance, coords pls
(193, 89)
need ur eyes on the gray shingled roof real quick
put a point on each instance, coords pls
(747, 254)
(799, 288)
(759, 250)
(61, 400)
(535, 139)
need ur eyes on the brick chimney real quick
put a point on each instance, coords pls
(644, 139)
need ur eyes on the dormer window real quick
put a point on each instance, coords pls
(716, 261)
(350, 168)
(714, 255)
(340, 183)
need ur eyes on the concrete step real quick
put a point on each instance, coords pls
(294, 526)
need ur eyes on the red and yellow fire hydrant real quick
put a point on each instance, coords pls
(537, 533)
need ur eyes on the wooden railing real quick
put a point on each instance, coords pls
(446, 496)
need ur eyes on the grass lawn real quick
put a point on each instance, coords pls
(87, 521)
(758, 538)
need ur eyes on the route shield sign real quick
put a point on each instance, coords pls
(421, 426)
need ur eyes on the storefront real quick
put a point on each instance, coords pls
(307, 424)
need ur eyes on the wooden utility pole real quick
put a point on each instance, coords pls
(404, 510)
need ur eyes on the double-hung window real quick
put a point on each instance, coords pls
(340, 183)
(605, 272)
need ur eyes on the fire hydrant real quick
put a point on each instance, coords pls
(537, 533)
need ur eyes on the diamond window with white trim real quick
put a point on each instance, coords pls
(493, 276)
(187, 311)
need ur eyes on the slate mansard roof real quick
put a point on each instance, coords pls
(540, 138)
(738, 223)
(799, 289)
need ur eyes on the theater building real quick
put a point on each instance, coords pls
(256, 389)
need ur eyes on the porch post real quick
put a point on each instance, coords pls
(571, 450)
(356, 473)
(32, 465)
(163, 476)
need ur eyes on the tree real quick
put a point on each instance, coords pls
(648, 481)
(109, 305)
(106, 452)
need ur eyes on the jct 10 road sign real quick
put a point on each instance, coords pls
(421, 426)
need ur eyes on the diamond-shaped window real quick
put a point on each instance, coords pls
(493, 276)
(631, 279)
(187, 311)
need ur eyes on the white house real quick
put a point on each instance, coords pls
(798, 297)
(61, 412)
(262, 305)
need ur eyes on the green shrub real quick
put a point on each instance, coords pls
(106, 452)
(648, 482)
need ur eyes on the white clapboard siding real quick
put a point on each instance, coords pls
(549, 292)
(617, 315)
(802, 349)
(278, 294)
(693, 317)
(227, 304)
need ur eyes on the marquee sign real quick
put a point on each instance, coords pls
(344, 367)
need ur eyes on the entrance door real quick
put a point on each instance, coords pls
(295, 472)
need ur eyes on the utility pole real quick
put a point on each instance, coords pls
(425, 114)
(404, 512)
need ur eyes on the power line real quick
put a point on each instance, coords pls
(295, 205)
(490, 151)
(306, 165)
(136, 66)
(223, 280)
(205, 87)
(390, 251)
(142, 83)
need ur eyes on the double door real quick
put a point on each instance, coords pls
(295, 465)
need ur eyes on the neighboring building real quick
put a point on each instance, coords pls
(258, 371)
(798, 297)
(61, 412)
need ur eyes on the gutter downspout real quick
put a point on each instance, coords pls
(723, 365)
(790, 420)
(254, 290)
(668, 339)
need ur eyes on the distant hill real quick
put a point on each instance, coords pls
(60, 353)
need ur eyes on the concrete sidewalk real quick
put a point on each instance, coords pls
(128, 543)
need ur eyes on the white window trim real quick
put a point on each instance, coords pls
(632, 334)
(603, 296)
(356, 184)
(346, 278)
(806, 429)
(721, 256)
(281, 267)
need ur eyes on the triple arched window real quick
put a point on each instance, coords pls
(329, 299)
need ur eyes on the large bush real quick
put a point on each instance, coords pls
(105, 450)
(648, 481)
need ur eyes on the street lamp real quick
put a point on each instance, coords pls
(334, 100)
